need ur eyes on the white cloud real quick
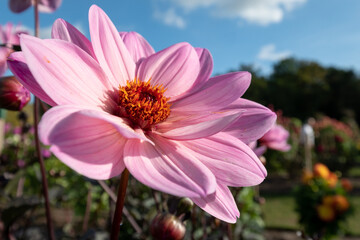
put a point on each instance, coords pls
(269, 53)
(262, 12)
(193, 4)
(170, 18)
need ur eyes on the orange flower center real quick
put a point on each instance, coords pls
(143, 104)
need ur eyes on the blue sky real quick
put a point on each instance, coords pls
(259, 32)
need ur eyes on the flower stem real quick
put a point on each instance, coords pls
(87, 210)
(156, 201)
(115, 228)
(36, 14)
(229, 231)
(43, 174)
(127, 214)
(37, 143)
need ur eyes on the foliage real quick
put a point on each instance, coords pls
(291, 161)
(322, 203)
(303, 89)
(251, 224)
(336, 144)
(19, 148)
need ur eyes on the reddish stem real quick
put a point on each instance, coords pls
(43, 174)
(115, 228)
(87, 210)
(127, 214)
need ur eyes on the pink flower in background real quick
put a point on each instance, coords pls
(45, 153)
(20, 163)
(118, 104)
(9, 36)
(7, 127)
(4, 52)
(17, 130)
(276, 138)
(48, 6)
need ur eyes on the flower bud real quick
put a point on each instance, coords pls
(185, 205)
(13, 95)
(167, 226)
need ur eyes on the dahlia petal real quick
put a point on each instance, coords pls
(253, 123)
(276, 138)
(63, 30)
(49, 6)
(232, 162)
(169, 168)
(3, 55)
(137, 45)
(259, 151)
(18, 6)
(55, 118)
(206, 67)
(109, 48)
(205, 128)
(6, 33)
(65, 72)
(88, 140)
(91, 147)
(221, 204)
(280, 146)
(3, 34)
(10, 34)
(175, 67)
(216, 93)
(19, 68)
(206, 64)
(183, 119)
(88, 164)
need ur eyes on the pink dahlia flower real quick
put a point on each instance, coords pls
(47, 6)
(119, 104)
(9, 36)
(276, 138)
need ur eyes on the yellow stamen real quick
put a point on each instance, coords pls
(143, 104)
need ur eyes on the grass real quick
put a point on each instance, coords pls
(354, 172)
(279, 213)
(11, 116)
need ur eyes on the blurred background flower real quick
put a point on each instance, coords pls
(9, 38)
(48, 6)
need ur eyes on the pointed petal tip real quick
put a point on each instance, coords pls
(95, 9)
(230, 220)
(209, 189)
(261, 177)
(184, 45)
(94, 6)
(59, 21)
